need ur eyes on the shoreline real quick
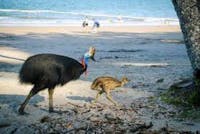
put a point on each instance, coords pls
(77, 29)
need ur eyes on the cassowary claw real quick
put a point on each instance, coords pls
(21, 112)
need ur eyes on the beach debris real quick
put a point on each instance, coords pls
(116, 57)
(188, 123)
(186, 83)
(113, 57)
(142, 64)
(161, 89)
(172, 41)
(25, 130)
(125, 50)
(141, 127)
(160, 80)
(140, 84)
(102, 118)
(4, 124)
(45, 119)
(134, 86)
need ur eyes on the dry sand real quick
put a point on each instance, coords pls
(12, 93)
(76, 29)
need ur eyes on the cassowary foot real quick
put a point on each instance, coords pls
(21, 111)
(51, 110)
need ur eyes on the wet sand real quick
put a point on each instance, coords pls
(152, 57)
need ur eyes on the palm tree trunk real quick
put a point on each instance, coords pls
(188, 12)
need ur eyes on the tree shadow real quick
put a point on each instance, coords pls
(14, 101)
(8, 67)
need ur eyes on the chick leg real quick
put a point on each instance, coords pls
(108, 96)
(97, 96)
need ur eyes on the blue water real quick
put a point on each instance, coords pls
(74, 11)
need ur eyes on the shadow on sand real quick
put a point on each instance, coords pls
(9, 67)
(14, 101)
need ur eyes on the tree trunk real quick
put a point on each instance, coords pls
(188, 12)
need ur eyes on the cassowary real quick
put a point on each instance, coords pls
(45, 71)
(105, 84)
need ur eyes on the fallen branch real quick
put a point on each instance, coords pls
(86, 128)
(4, 125)
(76, 105)
(143, 126)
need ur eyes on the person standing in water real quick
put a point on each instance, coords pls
(85, 24)
(96, 25)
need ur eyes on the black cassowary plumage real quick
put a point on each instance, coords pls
(47, 71)
(50, 70)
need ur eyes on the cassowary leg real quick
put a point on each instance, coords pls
(51, 91)
(31, 93)
(110, 98)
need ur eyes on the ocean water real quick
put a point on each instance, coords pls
(73, 12)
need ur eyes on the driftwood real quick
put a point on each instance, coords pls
(85, 128)
(4, 125)
(141, 127)
(76, 105)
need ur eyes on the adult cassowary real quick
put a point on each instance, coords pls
(48, 70)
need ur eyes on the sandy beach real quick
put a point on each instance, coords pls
(153, 57)
(77, 29)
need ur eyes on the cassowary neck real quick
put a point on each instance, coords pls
(84, 68)
(84, 65)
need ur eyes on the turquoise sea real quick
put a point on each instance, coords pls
(73, 12)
